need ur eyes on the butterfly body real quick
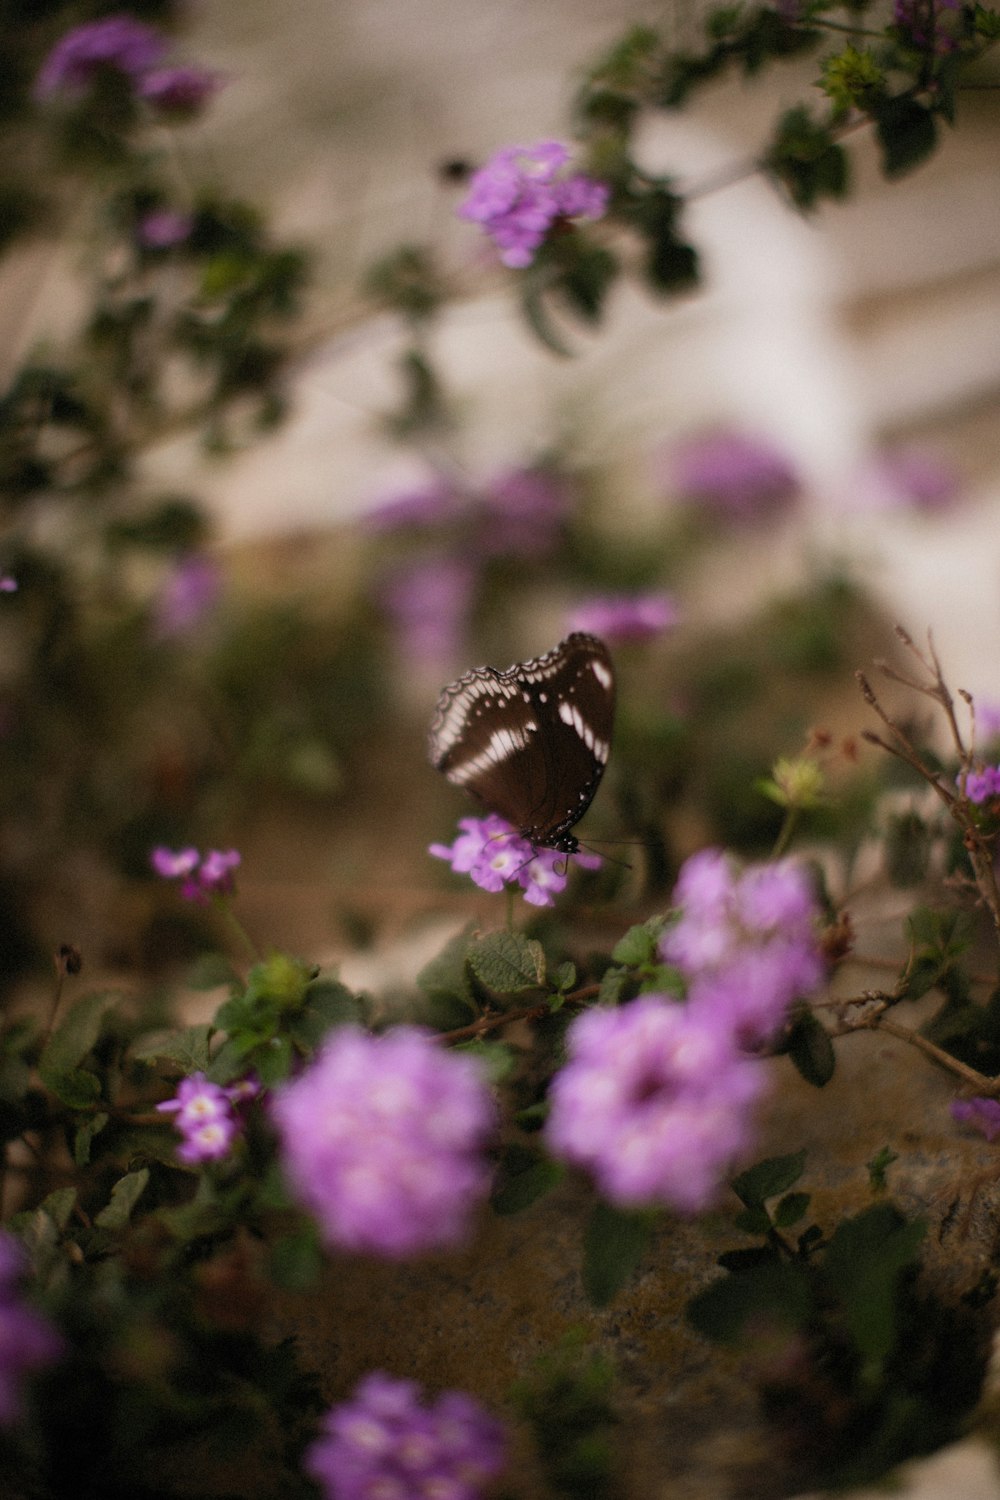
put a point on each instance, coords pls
(531, 743)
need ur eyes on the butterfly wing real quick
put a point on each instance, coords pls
(531, 743)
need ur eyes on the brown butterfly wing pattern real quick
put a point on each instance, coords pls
(531, 743)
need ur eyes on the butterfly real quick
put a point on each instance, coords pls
(531, 743)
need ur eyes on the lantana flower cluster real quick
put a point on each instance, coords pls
(389, 1441)
(623, 618)
(493, 854)
(206, 1115)
(28, 1342)
(123, 45)
(201, 876)
(740, 476)
(382, 1141)
(983, 785)
(657, 1097)
(522, 191)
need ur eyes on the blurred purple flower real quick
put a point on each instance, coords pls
(180, 91)
(390, 1441)
(982, 786)
(493, 854)
(522, 513)
(518, 195)
(383, 1141)
(162, 228)
(625, 617)
(191, 591)
(908, 478)
(201, 878)
(28, 1342)
(414, 510)
(932, 24)
(428, 602)
(733, 473)
(8, 584)
(745, 941)
(119, 42)
(655, 1101)
(988, 718)
(982, 1114)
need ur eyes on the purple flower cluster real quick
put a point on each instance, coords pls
(163, 228)
(193, 586)
(205, 1114)
(982, 786)
(929, 24)
(429, 600)
(387, 1441)
(908, 478)
(655, 1101)
(382, 1140)
(982, 1114)
(621, 618)
(493, 854)
(201, 877)
(745, 941)
(123, 45)
(732, 473)
(521, 192)
(27, 1341)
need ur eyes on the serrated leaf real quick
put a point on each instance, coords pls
(188, 1048)
(639, 945)
(508, 963)
(124, 1196)
(328, 1004)
(565, 977)
(614, 1244)
(766, 1179)
(614, 983)
(74, 1037)
(526, 1186)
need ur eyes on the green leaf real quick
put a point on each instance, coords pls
(59, 1205)
(614, 1244)
(74, 1037)
(83, 1140)
(791, 1209)
(565, 977)
(77, 1089)
(862, 1266)
(328, 1004)
(188, 1048)
(810, 1049)
(614, 984)
(806, 159)
(532, 1180)
(124, 1196)
(755, 1220)
(444, 979)
(879, 1166)
(768, 1178)
(906, 131)
(639, 945)
(762, 1296)
(508, 963)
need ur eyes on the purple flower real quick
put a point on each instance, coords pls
(521, 514)
(191, 591)
(929, 24)
(908, 478)
(119, 42)
(28, 1342)
(982, 1114)
(625, 617)
(8, 585)
(201, 878)
(732, 473)
(518, 195)
(414, 510)
(203, 1113)
(428, 602)
(982, 786)
(389, 1441)
(382, 1140)
(179, 91)
(655, 1101)
(745, 941)
(493, 854)
(162, 228)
